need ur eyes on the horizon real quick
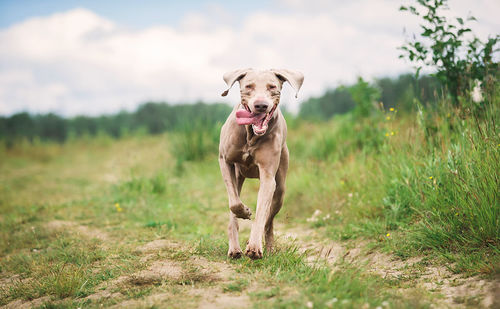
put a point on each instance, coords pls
(229, 104)
(92, 58)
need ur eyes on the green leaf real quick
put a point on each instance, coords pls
(427, 33)
(462, 31)
(460, 20)
(417, 73)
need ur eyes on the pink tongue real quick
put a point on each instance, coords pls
(244, 117)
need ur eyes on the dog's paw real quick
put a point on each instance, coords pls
(253, 252)
(235, 253)
(269, 248)
(241, 211)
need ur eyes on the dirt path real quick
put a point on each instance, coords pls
(194, 281)
(449, 290)
(208, 292)
(80, 230)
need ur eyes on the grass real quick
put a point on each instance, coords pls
(430, 179)
(414, 185)
(291, 280)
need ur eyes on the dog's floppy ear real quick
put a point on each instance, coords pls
(294, 78)
(231, 77)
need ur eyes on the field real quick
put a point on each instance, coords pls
(387, 211)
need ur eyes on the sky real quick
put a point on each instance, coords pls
(99, 57)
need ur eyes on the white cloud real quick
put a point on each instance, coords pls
(77, 62)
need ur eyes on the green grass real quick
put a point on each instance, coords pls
(414, 185)
(291, 280)
(237, 286)
(433, 182)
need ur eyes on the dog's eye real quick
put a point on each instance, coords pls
(249, 86)
(271, 87)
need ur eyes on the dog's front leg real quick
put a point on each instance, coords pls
(264, 200)
(239, 209)
(233, 185)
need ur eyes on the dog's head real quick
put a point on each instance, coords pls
(260, 94)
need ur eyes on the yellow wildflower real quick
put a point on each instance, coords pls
(391, 109)
(388, 117)
(118, 208)
(388, 234)
(386, 134)
(430, 177)
(392, 133)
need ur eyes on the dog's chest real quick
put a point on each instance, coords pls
(247, 165)
(248, 154)
(245, 156)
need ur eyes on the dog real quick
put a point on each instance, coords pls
(253, 145)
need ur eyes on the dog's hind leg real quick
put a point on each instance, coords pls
(232, 232)
(233, 228)
(279, 194)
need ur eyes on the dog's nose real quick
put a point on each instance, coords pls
(260, 106)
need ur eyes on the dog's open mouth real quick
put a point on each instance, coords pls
(258, 121)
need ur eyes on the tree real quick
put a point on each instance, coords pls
(443, 46)
(334, 101)
(51, 127)
(365, 96)
(20, 126)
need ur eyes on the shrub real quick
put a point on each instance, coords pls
(443, 46)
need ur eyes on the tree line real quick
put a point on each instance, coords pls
(150, 118)
(399, 92)
(159, 117)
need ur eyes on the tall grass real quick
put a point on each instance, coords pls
(422, 182)
(194, 142)
(418, 184)
(430, 177)
(448, 188)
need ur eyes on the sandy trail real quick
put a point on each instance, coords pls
(455, 290)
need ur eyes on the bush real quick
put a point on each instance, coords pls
(194, 142)
(366, 97)
(443, 47)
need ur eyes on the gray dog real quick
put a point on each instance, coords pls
(253, 145)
